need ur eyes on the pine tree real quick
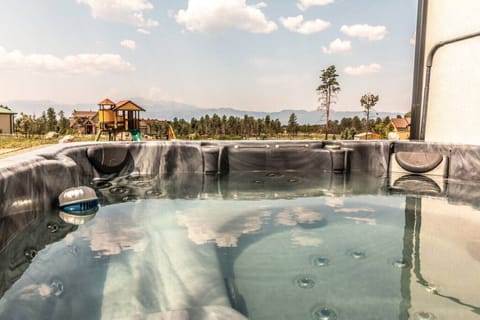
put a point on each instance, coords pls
(328, 90)
(292, 124)
(368, 101)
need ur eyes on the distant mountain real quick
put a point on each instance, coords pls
(168, 110)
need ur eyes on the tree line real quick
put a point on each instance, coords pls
(219, 127)
(223, 127)
(48, 121)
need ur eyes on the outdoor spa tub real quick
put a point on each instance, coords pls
(242, 230)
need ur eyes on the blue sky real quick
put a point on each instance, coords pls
(251, 55)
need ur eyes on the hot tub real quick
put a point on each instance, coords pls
(243, 230)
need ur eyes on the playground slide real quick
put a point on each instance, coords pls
(136, 136)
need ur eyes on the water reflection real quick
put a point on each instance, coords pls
(369, 257)
(220, 224)
(446, 272)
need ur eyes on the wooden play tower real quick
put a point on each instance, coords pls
(114, 118)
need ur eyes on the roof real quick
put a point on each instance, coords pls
(6, 111)
(401, 123)
(370, 134)
(84, 114)
(121, 104)
(106, 102)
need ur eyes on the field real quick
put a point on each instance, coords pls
(20, 142)
(10, 145)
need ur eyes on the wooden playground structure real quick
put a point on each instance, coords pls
(123, 116)
(114, 118)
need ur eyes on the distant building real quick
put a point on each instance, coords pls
(367, 136)
(6, 121)
(401, 127)
(84, 122)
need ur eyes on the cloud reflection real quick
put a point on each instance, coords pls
(224, 226)
(112, 236)
(299, 215)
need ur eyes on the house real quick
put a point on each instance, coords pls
(84, 122)
(6, 120)
(401, 128)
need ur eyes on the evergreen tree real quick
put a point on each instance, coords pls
(368, 101)
(328, 90)
(51, 120)
(63, 124)
(356, 123)
(292, 124)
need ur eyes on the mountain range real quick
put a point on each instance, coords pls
(168, 110)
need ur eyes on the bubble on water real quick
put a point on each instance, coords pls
(273, 174)
(305, 282)
(318, 261)
(424, 316)
(400, 263)
(323, 313)
(358, 254)
(57, 287)
(74, 250)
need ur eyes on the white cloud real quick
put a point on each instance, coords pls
(305, 4)
(363, 69)
(128, 11)
(130, 44)
(73, 64)
(296, 24)
(141, 30)
(365, 31)
(220, 15)
(412, 40)
(337, 46)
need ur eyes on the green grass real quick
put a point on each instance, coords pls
(20, 142)
(12, 142)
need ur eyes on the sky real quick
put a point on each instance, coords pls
(250, 55)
